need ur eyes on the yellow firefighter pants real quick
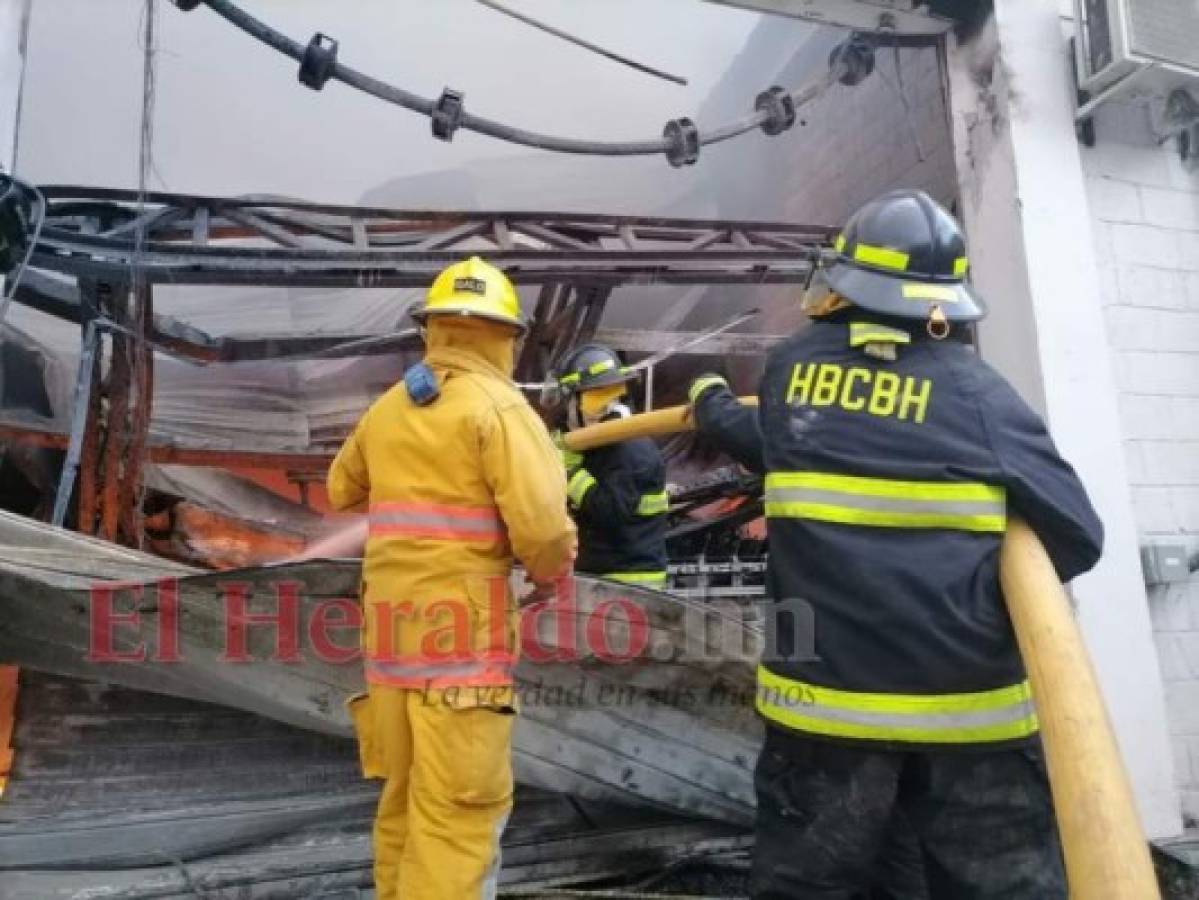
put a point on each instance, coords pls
(447, 769)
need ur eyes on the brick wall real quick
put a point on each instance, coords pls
(1145, 213)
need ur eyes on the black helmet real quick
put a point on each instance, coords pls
(903, 255)
(591, 366)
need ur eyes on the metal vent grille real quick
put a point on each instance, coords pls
(1167, 30)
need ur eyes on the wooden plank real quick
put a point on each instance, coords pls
(8, 718)
(313, 461)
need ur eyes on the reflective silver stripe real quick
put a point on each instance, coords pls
(886, 504)
(435, 521)
(429, 670)
(1005, 715)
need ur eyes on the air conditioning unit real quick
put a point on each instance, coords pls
(1145, 46)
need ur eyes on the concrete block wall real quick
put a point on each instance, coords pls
(1145, 213)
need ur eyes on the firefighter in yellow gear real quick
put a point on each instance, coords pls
(458, 476)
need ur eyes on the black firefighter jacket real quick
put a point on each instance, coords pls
(888, 488)
(619, 502)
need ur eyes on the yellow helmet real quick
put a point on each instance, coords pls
(473, 288)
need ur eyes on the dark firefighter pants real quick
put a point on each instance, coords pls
(827, 815)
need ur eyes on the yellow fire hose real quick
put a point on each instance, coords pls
(1107, 856)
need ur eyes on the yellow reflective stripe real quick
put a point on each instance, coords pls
(960, 265)
(883, 257)
(650, 579)
(914, 290)
(880, 502)
(1003, 714)
(975, 701)
(569, 379)
(653, 504)
(702, 384)
(885, 487)
(867, 332)
(602, 366)
(580, 483)
(842, 515)
(839, 243)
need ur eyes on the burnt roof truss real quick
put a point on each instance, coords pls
(94, 233)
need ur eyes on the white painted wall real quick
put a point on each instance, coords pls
(1145, 221)
(1026, 205)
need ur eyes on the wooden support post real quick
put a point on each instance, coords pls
(142, 378)
(117, 388)
(114, 444)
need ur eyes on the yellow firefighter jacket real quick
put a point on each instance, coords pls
(453, 490)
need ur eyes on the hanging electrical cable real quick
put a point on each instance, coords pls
(681, 140)
(579, 42)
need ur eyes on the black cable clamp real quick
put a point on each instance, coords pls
(320, 58)
(779, 107)
(684, 142)
(856, 53)
(187, 5)
(446, 116)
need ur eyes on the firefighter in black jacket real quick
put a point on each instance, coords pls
(893, 459)
(898, 872)
(617, 493)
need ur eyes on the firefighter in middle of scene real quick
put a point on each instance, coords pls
(617, 493)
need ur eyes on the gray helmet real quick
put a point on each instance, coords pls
(591, 366)
(903, 255)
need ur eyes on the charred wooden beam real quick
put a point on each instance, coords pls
(117, 389)
(142, 397)
(93, 298)
(316, 460)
